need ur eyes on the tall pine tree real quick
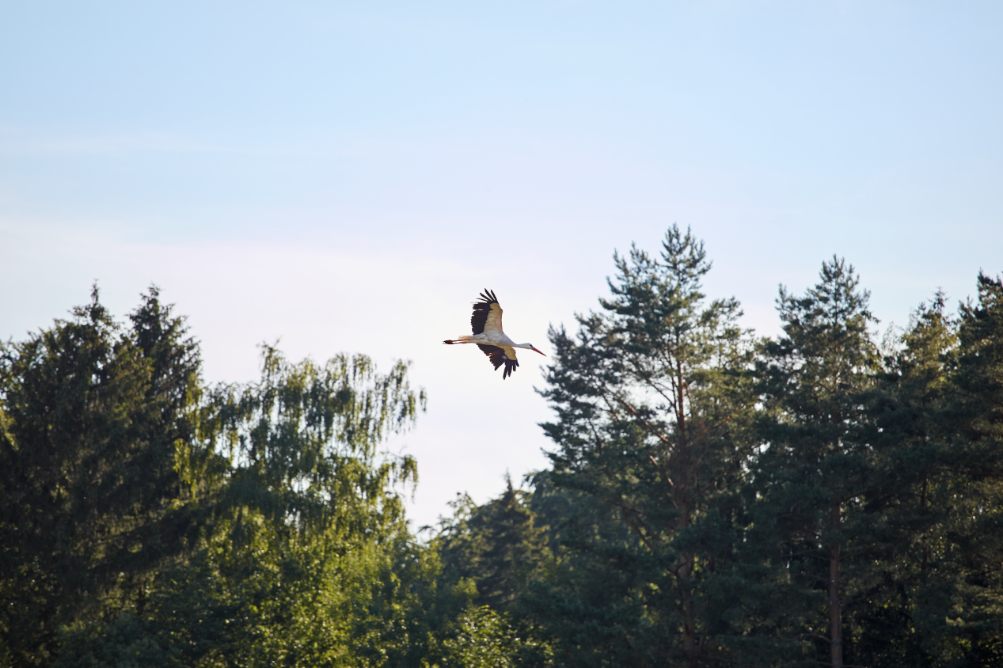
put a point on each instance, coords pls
(812, 474)
(652, 413)
(907, 496)
(975, 533)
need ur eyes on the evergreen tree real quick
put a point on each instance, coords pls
(652, 415)
(495, 546)
(513, 549)
(908, 497)
(812, 476)
(492, 552)
(460, 541)
(975, 462)
(91, 422)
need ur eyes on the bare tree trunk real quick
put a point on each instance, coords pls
(835, 611)
(683, 585)
(690, 644)
(926, 537)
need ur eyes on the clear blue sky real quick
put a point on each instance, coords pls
(348, 176)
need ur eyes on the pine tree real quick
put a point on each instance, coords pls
(813, 472)
(902, 513)
(652, 415)
(975, 464)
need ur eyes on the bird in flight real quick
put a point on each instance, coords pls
(486, 323)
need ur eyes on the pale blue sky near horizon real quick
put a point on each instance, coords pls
(349, 176)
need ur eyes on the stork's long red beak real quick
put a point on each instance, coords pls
(532, 348)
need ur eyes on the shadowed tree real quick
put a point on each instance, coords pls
(496, 546)
(653, 407)
(92, 420)
(308, 561)
(975, 465)
(812, 476)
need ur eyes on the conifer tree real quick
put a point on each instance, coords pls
(91, 420)
(460, 540)
(512, 549)
(907, 495)
(812, 474)
(975, 465)
(652, 414)
(496, 546)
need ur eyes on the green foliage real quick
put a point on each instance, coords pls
(877, 486)
(496, 547)
(898, 615)
(302, 443)
(410, 608)
(128, 642)
(813, 499)
(653, 412)
(513, 550)
(812, 477)
(263, 603)
(974, 469)
(486, 639)
(91, 421)
(307, 521)
(147, 519)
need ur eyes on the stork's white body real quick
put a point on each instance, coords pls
(486, 323)
(491, 339)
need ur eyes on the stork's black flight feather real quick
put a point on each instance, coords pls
(481, 311)
(498, 357)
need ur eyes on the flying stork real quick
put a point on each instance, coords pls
(486, 323)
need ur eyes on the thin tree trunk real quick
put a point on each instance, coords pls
(926, 537)
(690, 644)
(688, 608)
(835, 611)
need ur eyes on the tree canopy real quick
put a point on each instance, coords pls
(826, 496)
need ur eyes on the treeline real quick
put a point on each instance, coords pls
(822, 497)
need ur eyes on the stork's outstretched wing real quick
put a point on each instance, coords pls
(501, 355)
(487, 315)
